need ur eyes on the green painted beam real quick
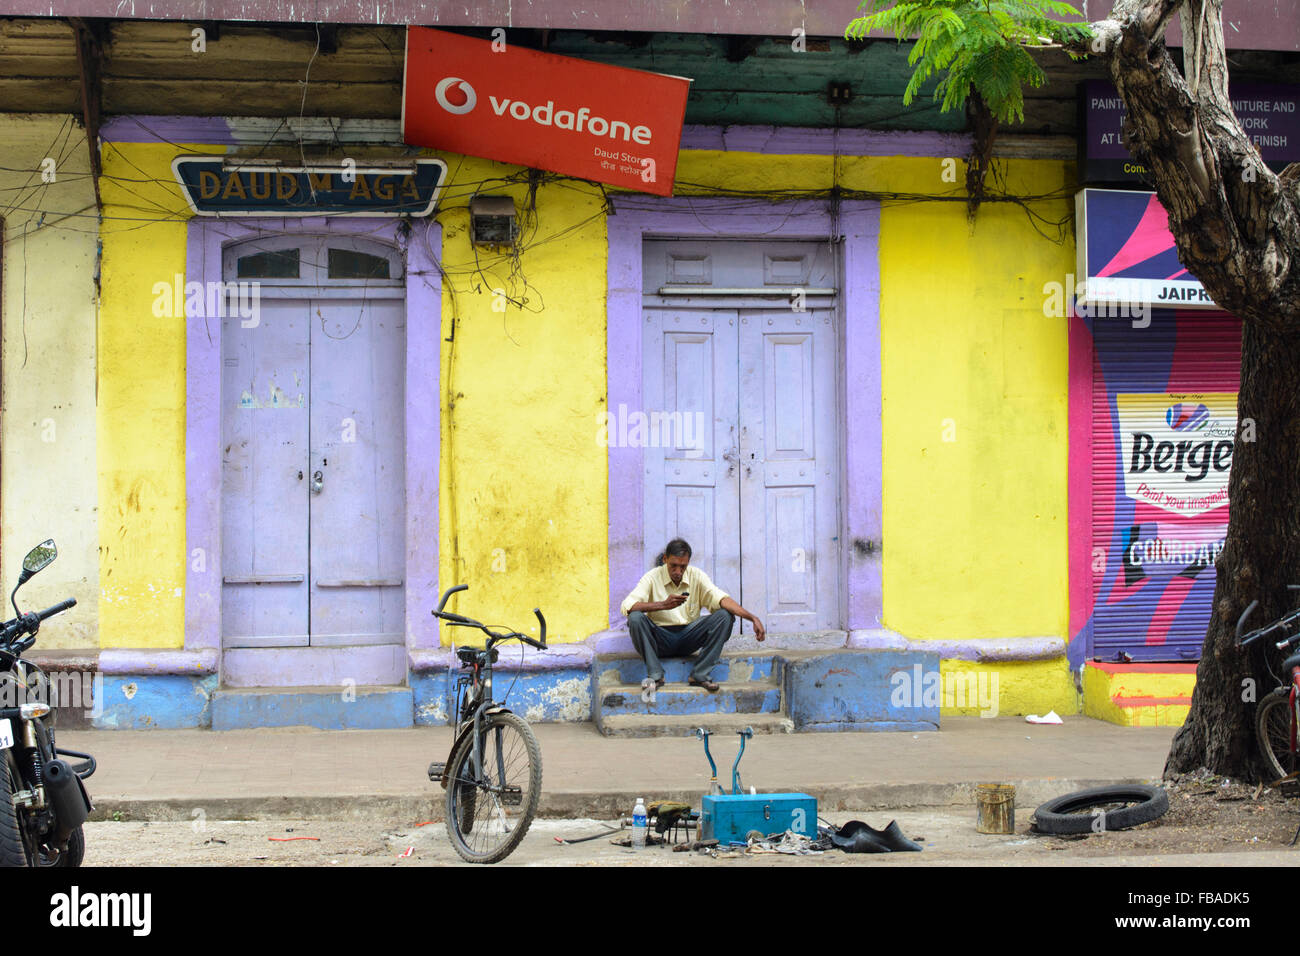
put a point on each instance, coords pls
(775, 84)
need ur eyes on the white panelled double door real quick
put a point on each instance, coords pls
(741, 426)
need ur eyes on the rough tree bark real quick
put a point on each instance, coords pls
(1237, 229)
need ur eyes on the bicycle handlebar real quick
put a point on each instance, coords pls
(493, 637)
(1241, 621)
(449, 592)
(1281, 624)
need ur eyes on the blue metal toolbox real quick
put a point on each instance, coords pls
(729, 817)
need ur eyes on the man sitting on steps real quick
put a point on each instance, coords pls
(663, 617)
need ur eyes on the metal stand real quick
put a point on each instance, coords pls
(714, 786)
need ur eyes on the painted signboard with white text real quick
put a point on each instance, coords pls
(1268, 112)
(500, 101)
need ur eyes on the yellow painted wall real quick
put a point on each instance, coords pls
(47, 435)
(975, 418)
(525, 481)
(141, 418)
(975, 529)
(523, 476)
(1007, 689)
(1134, 697)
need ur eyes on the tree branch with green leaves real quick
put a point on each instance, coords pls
(977, 45)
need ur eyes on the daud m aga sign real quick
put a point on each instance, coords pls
(220, 187)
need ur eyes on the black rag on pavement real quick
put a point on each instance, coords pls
(856, 837)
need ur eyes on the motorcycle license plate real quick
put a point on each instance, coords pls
(6, 733)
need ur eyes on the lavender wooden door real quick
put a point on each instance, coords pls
(688, 431)
(789, 460)
(742, 337)
(357, 513)
(313, 410)
(264, 505)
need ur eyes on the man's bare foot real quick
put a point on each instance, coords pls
(710, 685)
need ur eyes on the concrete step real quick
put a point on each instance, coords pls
(683, 725)
(329, 707)
(732, 697)
(742, 667)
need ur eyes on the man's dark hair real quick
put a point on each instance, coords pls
(678, 548)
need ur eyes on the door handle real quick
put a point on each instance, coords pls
(317, 483)
(731, 458)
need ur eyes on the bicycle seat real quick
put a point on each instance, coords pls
(468, 655)
(1292, 661)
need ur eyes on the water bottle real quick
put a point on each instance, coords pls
(638, 824)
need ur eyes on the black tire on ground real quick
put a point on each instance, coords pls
(483, 828)
(12, 851)
(1101, 809)
(1273, 730)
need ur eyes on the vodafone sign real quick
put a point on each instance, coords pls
(604, 123)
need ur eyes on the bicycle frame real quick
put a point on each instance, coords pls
(471, 719)
(482, 696)
(481, 702)
(1284, 624)
(1291, 711)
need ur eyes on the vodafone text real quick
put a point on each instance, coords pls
(547, 115)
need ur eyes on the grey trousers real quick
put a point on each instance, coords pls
(707, 634)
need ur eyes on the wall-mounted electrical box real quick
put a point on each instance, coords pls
(492, 220)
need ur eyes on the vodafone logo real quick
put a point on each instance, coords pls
(455, 95)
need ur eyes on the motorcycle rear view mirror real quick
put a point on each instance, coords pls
(38, 558)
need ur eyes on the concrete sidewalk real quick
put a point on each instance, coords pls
(308, 773)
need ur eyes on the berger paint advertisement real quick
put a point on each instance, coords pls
(1178, 449)
(1154, 420)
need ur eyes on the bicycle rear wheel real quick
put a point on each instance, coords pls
(488, 814)
(1273, 730)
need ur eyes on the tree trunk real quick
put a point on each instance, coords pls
(1260, 557)
(1237, 230)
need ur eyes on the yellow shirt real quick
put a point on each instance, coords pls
(656, 585)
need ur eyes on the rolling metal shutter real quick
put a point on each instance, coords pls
(1163, 421)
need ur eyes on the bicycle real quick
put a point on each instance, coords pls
(1277, 716)
(493, 773)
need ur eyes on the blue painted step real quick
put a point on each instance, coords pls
(744, 697)
(631, 670)
(750, 691)
(329, 708)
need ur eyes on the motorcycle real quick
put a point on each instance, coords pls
(43, 802)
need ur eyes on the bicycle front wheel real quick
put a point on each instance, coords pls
(490, 809)
(1273, 729)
